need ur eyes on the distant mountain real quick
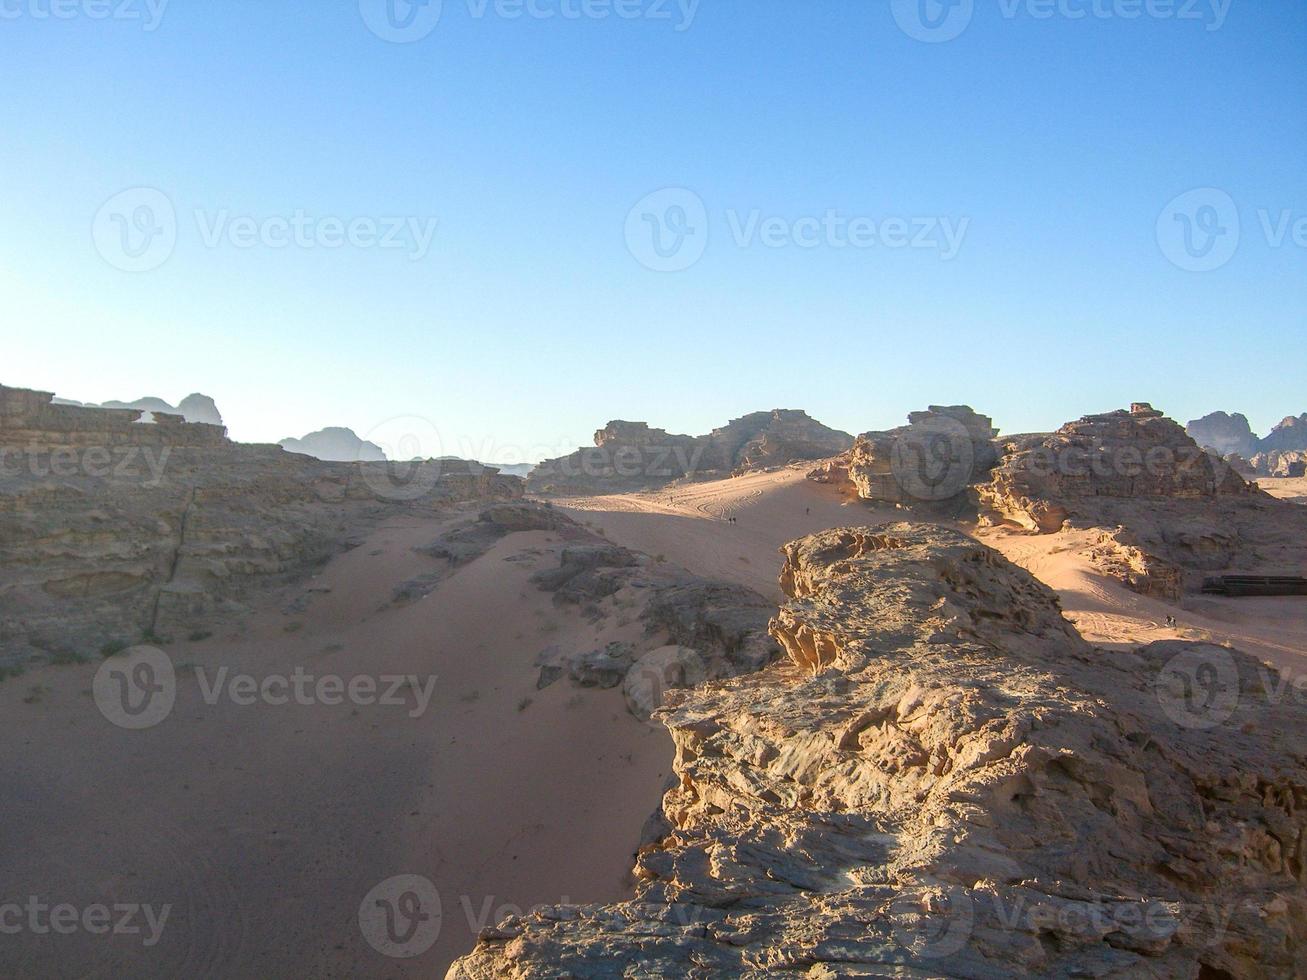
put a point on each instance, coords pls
(1279, 454)
(1224, 434)
(335, 445)
(193, 408)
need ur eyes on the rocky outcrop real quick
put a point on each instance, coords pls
(193, 408)
(946, 780)
(1224, 434)
(1289, 436)
(335, 444)
(1122, 455)
(1167, 511)
(931, 463)
(633, 456)
(112, 530)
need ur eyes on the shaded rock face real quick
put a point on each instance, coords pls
(335, 444)
(1289, 436)
(111, 530)
(946, 780)
(932, 463)
(193, 408)
(1224, 434)
(633, 456)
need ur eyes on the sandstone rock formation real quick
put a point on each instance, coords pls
(1290, 435)
(1224, 434)
(932, 462)
(335, 444)
(633, 456)
(111, 530)
(1168, 511)
(192, 408)
(946, 780)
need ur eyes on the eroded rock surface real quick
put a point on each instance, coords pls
(931, 464)
(1168, 511)
(1224, 433)
(946, 780)
(633, 456)
(112, 530)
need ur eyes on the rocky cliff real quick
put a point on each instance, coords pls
(634, 456)
(1224, 434)
(944, 779)
(1276, 455)
(111, 530)
(1168, 512)
(932, 463)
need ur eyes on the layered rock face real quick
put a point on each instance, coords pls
(335, 445)
(112, 530)
(945, 779)
(1168, 511)
(932, 462)
(633, 456)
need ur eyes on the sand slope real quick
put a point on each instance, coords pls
(265, 826)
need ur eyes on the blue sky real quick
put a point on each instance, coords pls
(1052, 146)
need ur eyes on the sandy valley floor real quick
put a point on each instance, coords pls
(265, 826)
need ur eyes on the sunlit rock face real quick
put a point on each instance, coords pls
(945, 779)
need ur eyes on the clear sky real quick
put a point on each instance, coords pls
(1040, 270)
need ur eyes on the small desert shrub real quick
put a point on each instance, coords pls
(66, 658)
(113, 648)
(8, 672)
(199, 635)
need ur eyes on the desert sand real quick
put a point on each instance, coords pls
(688, 523)
(265, 826)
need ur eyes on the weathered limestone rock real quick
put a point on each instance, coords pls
(946, 780)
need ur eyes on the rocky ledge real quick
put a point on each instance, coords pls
(945, 780)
